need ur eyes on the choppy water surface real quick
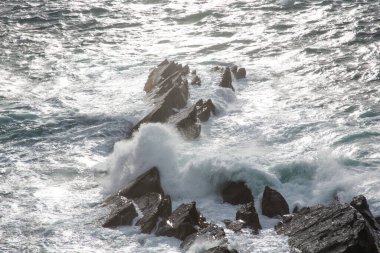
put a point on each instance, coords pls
(305, 121)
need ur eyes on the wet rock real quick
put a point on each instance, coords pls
(204, 110)
(211, 233)
(273, 203)
(217, 69)
(248, 214)
(360, 203)
(237, 193)
(226, 81)
(186, 122)
(296, 209)
(122, 214)
(182, 222)
(153, 206)
(162, 71)
(378, 220)
(236, 226)
(220, 249)
(234, 70)
(241, 73)
(194, 72)
(143, 184)
(185, 70)
(196, 81)
(168, 103)
(329, 229)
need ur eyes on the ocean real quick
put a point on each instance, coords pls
(305, 121)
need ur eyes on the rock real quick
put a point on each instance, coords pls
(162, 71)
(226, 81)
(329, 229)
(143, 184)
(153, 206)
(196, 81)
(237, 193)
(248, 214)
(273, 203)
(204, 110)
(234, 70)
(122, 214)
(186, 122)
(185, 70)
(211, 233)
(360, 203)
(241, 73)
(236, 226)
(182, 222)
(378, 220)
(220, 249)
(217, 69)
(194, 72)
(168, 103)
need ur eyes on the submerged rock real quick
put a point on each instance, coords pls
(211, 233)
(186, 122)
(238, 73)
(143, 184)
(196, 81)
(247, 213)
(236, 226)
(204, 110)
(123, 213)
(220, 249)
(226, 81)
(339, 228)
(153, 206)
(182, 222)
(273, 203)
(237, 193)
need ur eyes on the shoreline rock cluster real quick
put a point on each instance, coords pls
(339, 227)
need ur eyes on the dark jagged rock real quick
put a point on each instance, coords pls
(143, 184)
(339, 228)
(162, 71)
(220, 249)
(204, 110)
(211, 233)
(217, 69)
(241, 73)
(248, 214)
(186, 122)
(296, 209)
(273, 203)
(377, 220)
(122, 214)
(237, 193)
(182, 222)
(194, 72)
(360, 203)
(153, 206)
(166, 105)
(196, 81)
(226, 81)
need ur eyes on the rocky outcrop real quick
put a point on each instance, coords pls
(360, 203)
(273, 203)
(204, 109)
(161, 72)
(247, 213)
(339, 228)
(153, 206)
(186, 122)
(238, 73)
(123, 213)
(211, 233)
(220, 249)
(226, 81)
(146, 183)
(236, 226)
(182, 222)
(237, 193)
